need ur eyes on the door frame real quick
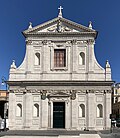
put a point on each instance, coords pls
(64, 114)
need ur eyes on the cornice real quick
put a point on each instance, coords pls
(63, 34)
(60, 83)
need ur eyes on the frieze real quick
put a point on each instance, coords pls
(108, 91)
(59, 92)
(43, 94)
(73, 95)
(68, 42)
(28, 42)
(36, 42)
(74, 42)
(81, 91)
(90, 42)
(65, 99)
(44, 42)
(81, 42)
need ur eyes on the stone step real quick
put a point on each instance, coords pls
(61, 136)
(89, 136)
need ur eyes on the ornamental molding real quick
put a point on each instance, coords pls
(28, 42)
(90, 42)
(46, 42)
(74, 42)
(59, 93)
(37, 43)
(59, 28)
(64, 24)
(73, 94)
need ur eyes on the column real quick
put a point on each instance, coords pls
(92, 109)
(44, 106)
(12, 107)
(49, 114)
(74, 52)
(74, 111)
(67, 115)
(87, 111)
(108, 109)
(27, 110)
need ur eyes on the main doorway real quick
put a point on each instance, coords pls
(59, 115)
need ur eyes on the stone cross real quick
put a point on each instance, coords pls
(60, 12)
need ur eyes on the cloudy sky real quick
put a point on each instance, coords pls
(15, 16)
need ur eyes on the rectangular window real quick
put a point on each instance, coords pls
(59, 57)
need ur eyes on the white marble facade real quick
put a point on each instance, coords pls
(80, 83)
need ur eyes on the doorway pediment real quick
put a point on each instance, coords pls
(59, 94)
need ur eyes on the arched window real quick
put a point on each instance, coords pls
(99, 110)
(36, 110)
(82, 58)
(37, 58)
(82, 110)
(19, 110)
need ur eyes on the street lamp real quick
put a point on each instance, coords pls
(4, 81)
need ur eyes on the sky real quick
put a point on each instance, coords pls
(15, 16)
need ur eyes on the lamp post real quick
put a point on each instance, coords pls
(5, 107)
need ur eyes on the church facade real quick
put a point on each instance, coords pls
(60, 83)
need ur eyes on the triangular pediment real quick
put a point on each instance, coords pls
(59, 25)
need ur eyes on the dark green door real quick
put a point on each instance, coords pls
(58, 115)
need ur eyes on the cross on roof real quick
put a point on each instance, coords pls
(60, 12)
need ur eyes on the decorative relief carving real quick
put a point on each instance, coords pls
(108, 91)
(95, 91)
(91, 91)
(52, 29)
(36, 42)
(44, 42)
(90, 42)
(28, 42)
(81, 91)
(43, 94)
(81, 42)
(74, 42)
(73, 95)
(59, 28)
(68, 42)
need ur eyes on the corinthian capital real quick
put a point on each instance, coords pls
(90, 42)
(74, 42)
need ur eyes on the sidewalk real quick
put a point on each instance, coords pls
(48, 134)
